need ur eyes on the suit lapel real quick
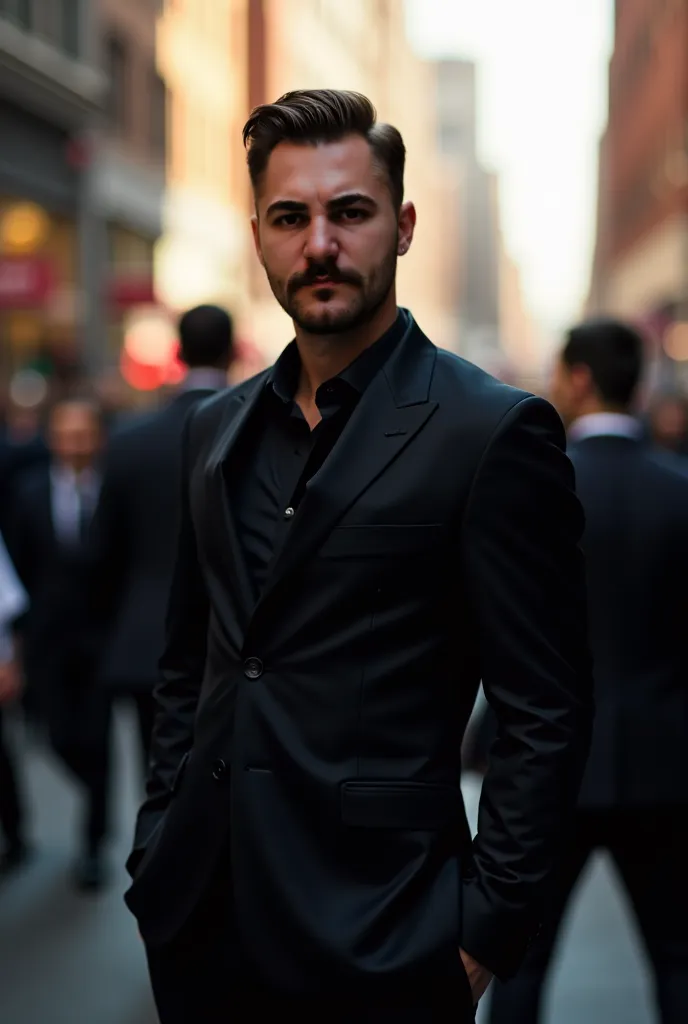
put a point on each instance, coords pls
(222, 523)
(394, 408)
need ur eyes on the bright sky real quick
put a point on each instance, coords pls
(542, 86)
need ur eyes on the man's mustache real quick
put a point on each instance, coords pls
(323, 269)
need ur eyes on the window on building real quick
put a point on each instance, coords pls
(117, 67)
(18, 10)
(70, 27)
(158, 114)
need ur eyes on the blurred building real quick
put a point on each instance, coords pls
(220, 58)
(495, 326)
(203, 50)
(81, 176)
(128, 172)
(641, 258)
(50, 90)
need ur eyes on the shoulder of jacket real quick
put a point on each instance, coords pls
(472, 392)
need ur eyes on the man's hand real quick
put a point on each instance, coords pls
(478, 977)
(10, 681)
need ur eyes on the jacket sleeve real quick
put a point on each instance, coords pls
(526, 582)
(181, 666)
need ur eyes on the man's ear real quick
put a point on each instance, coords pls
(407, 224)
(256, 238)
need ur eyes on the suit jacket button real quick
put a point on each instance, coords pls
(219, 769)
(253, 668)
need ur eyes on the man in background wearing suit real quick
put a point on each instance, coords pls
(634, 798)
(51, 514)
(134, 533)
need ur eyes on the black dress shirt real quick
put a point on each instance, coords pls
(279, 453)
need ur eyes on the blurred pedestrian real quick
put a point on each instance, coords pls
(13, 603)
(134, 534)
(367, 529)
(634, 798)
(52, 509)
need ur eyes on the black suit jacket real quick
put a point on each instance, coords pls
(319, 732)
(636, 545)
(134, 541)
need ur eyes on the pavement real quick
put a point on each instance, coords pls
(66, 958)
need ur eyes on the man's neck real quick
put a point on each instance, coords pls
(600, 409)
(323, 356)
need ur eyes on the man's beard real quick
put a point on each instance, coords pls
(368, 295)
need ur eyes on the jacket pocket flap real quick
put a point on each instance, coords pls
(411, 806)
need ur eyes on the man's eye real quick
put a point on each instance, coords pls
(289, 220)
(352, 215)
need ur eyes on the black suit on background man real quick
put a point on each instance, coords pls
(58, 646)
(634, 796)
(135, 529)
(321, 712)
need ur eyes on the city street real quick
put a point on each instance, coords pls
(68, 959)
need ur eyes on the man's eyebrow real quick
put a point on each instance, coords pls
(350, 199)
(286, 206)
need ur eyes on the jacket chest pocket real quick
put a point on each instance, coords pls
(382, 541)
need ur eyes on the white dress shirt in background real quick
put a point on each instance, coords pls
(13, 602)
(605, 424)
(71, 497)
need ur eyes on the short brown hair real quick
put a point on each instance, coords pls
(311, 116)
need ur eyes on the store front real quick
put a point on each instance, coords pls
(38, 240)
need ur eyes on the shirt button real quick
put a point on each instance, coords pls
(253, 668)
(288, 513)
(219, 769)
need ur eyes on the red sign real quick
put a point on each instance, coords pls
(127, 290)
(25, 282)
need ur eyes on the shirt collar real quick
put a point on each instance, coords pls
(605, 424)
(283, 379)
(64, 476)
(204, 379)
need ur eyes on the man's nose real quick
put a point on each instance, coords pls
(321, 240)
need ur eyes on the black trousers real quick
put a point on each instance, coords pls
(11, 804)
(203, 977)
(79, 727)
(650, 851)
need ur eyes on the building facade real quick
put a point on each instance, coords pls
(495, 329)
(203, 51)
(51, 90)
(128, 171)
(81, 175)
(641, 258)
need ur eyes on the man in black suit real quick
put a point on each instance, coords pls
(634, 797)
(367, 528)
(134, 533)
(51, 512)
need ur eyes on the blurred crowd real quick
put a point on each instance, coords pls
(88, 514)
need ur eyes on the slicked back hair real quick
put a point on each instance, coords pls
(313, 116)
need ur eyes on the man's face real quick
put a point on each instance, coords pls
(328, 234)
(75, 435)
